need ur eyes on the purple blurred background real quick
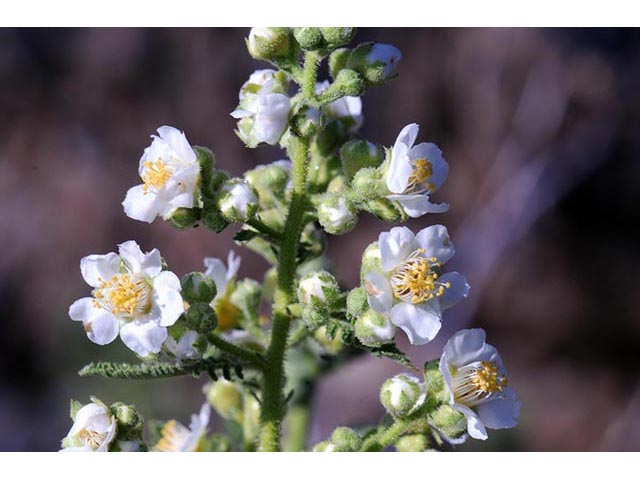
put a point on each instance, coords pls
(541, 129)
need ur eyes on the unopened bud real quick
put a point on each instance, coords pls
(184, 218)
(385, 210)
(197, 287)
(359, 154)
(226, 398)
(371, 260)
(307, 122)
(201, 317)
(336, 215)
(273, 44)
(376, 62)
(356, 303)
(319, 285)
(237, 201)
(338, 60)
(129, 420)
(374, 329)
(337, 36)
(325, 446)
(449, 421)
(346, 440)
(412, 443)
(309, 38)
(402, 395)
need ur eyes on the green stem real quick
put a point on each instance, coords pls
(273, 396)
(264, 228)
(250, 356)
(297, 423)
(310, 75)
(388, 436)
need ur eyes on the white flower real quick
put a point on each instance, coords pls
(178, 438)
(477, 382)
(402, 395)
(93, 430)
(317, 284)
(183, 349)
(223, 276)
(256, 81)
(171, 173)
(389, 55)
(415, 172)
(336, 215)
(410, 286)
(238, 201)
(269, 111)
(345, 108)
(131, 296)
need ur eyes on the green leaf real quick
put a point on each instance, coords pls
(392, 352)
(73, 408)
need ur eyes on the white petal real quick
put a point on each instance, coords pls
(239, 113)
(81, 310)
(468, 346)
(395, 246)
(233, 262)
(97, 268)
(85, 415)
(141, 206)
(421, 323)
(143, 338)
(166, 297)
(445, 369)
(436, 243)
(178, 142)
(431, 152)
(400, 169)
(101, 327)
(407, 136)
(183, 348)
(474, 424)
(379, 295)
(148, 264)
(272, 118)
(217, 270)
(501, 412)
(416, 205)
(458, 289)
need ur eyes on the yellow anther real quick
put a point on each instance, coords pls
(155, 174)
(477, 383)
(124, 294)
(419, 178)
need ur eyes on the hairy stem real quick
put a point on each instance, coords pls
(273, 396)
(387, 436)
(250, 356)
(310, 75)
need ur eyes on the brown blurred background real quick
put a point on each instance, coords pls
(542, 132)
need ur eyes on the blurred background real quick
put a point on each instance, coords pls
(541, 128)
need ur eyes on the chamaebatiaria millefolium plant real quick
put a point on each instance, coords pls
(265, 344)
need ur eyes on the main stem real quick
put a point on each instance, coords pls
(273, 395)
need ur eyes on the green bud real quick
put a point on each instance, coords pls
(226, 398)
(330, 138)
(337, 185)
(320, 285)
(360, 154)
(338, 60)
(307, 122)
(371, 260)
(402, 395)
(237, 201)
(356, 303)
(273, 44)
(128, 446)
(449, 421)
(315, 316)
(376, 62)
(313, 240)
(338, 36)
(201, 317)
(385, 210)
(197, 287)
(211, 215)
(206, 158)
(270, 182)
(346, 440)
(325, 446)
(246, 295)
(129, 421)
(374, 329)
(214, 220)
(183, 218)
(336, 214)
(435, 384)
(309, 38)
(332, 345)
(349, 83)
(322, 168)
(412, 443)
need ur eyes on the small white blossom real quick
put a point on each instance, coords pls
(345, 108)
(223, 276)
(238, 201)
(336, 215)
(178, 438)
(268, 108)
(415, 172)
(171, 173)
(93, 430)
(317, 284)
(477, 382)
(131, 296)
(183, 349)
(410, 286)
(389, 55)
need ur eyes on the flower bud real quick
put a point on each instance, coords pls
(402, 395)
(356, 303)
(128, 419)
(435, 384)
(332, 345)
(371, 260)
(206, 159)
(214, 220)
(449, 421)
(321, 286)
(273, 44)
(337, 36)
(346, 440)
(349, 83)
(338, 60)
(359, 154)
(376, 62)
(336, 215)
(374, 329)
(385, 210)
(366, 185)
(307, 122)
(246, 295)
(237, 201)
(197, 287)
(183, 218)
(226, 398)
(325, 446)
(412, 443)
(201, 317)
(309, 38)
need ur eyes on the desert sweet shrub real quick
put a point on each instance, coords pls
(264, 344)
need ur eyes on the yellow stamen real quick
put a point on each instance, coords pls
(419, 178)
(478, 382)
(124, 294)
(416, 280)
(155, 174)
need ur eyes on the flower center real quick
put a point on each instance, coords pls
(155, 174)
(477, 383)
(419, 178)
(416, 280)
(92, 438)
(124, 294)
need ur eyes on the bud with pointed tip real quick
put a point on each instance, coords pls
(128, 419)
(320, 285)
(402, 395)
(374, 329)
